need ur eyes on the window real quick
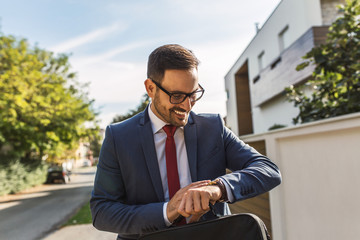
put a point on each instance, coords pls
(261, 60)
(284, 41)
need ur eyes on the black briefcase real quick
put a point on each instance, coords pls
(242, 226)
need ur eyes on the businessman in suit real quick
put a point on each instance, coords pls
(168, 162)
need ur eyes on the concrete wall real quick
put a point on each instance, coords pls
(271, 114)
(320, 164)
(330, 11)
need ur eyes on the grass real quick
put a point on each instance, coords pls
(83, 216)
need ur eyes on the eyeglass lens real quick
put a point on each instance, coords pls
(178, 97)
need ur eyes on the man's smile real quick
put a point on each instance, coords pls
(180, 114)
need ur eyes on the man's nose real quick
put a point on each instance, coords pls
(187, 104)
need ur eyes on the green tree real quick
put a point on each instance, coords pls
(336, 78)
(95, 143)
(43, 109)
(141, 107)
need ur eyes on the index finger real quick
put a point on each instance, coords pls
(199, 183)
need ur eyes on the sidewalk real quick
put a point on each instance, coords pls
(80, 232)
(77, 232)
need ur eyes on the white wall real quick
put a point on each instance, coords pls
(319, 196)
(231, 108)
(277, 111)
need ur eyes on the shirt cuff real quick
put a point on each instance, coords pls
(167, 222)
(230, 195)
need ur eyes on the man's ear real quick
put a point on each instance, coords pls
(150, 88)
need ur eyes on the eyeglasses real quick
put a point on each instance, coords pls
(179, 97)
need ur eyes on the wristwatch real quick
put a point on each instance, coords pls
(221, 185)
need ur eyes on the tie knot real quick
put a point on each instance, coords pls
(170, 130)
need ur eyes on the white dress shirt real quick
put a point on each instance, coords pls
(181, 156)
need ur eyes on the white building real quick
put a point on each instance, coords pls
(256, 101)
(255, 83)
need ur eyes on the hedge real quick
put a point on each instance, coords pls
(17, 176)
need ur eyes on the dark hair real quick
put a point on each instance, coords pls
(171, 56)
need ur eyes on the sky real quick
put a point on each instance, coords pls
(109, 41)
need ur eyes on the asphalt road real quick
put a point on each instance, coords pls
(35, 213)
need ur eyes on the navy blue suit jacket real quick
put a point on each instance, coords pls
(128, 197)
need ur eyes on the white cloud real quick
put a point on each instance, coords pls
(112, 81)
(88, 37)
(107, 118)
(93, 59)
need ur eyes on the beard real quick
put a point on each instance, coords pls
(175, 116)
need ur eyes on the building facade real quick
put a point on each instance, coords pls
(255, 83)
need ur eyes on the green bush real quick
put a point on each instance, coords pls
(276, 126)
(16, 176)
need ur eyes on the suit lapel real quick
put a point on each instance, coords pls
(191, 147)
(148, 145)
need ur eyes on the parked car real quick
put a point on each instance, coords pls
(58, 174)
(87, 163)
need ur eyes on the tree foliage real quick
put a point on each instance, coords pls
(42, 107)
(141, 107)
(95, 143)
(336, 78)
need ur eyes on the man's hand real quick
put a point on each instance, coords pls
(193, 200)
(174, 203)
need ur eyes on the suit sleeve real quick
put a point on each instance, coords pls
(252, 173)
(108, 201)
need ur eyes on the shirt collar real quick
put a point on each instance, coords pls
(156, 123)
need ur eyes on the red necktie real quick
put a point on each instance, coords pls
(171, 166)
(171, 162)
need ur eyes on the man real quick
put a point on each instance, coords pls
(168, 162)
